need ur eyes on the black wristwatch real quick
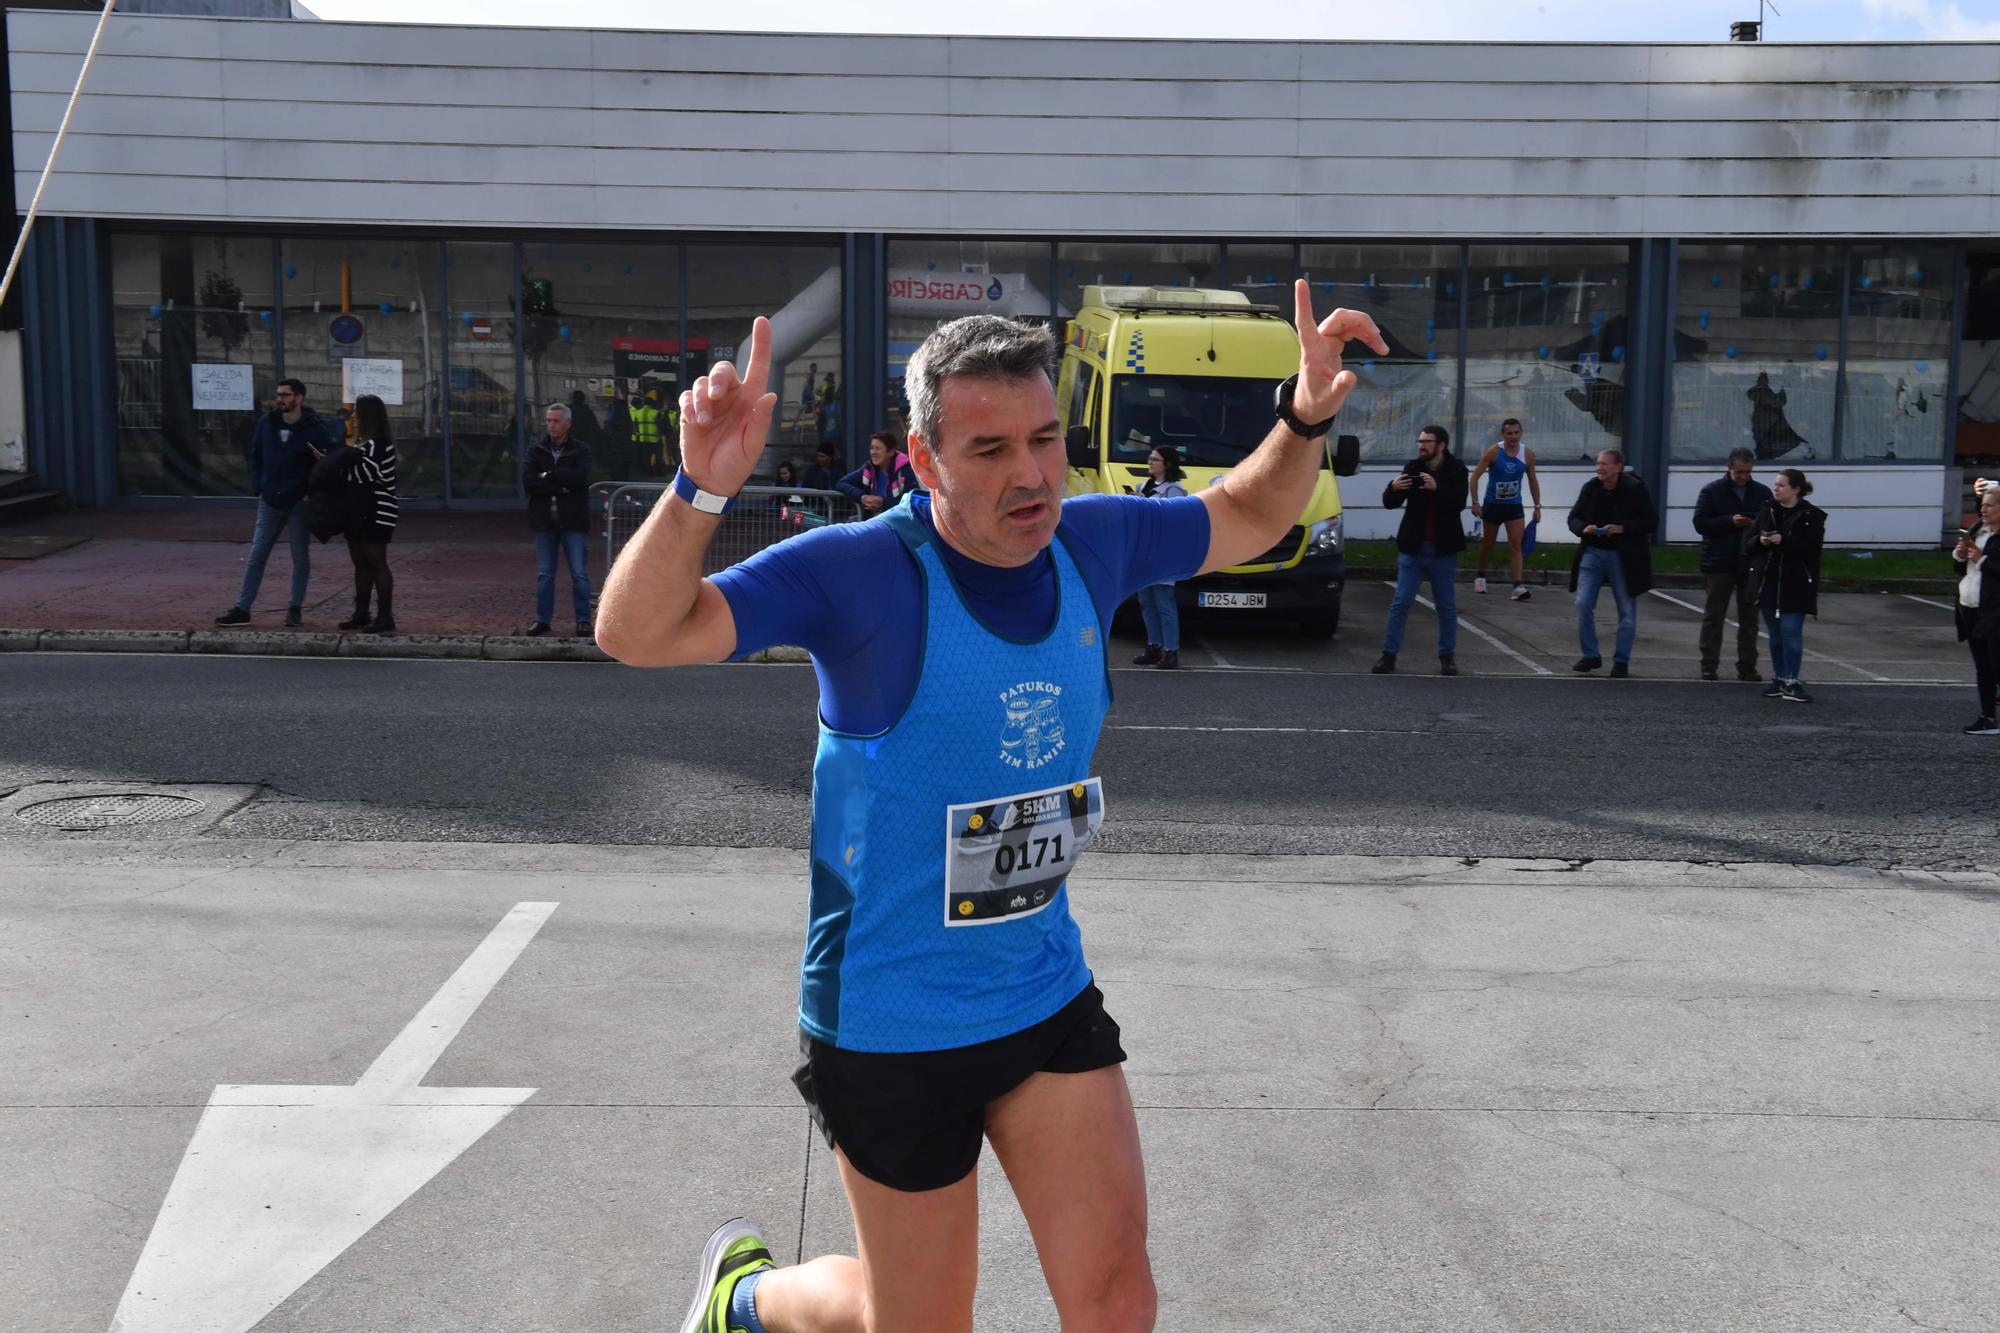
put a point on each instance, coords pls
(1283, 407)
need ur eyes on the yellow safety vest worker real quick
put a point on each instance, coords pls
(646, 426)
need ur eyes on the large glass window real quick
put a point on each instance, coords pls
(1547, 341)
(1212, 422)
(1756, 351)
(365, 316)
(798, 287)
(1411, 292)
(935, 280)
(1262, 271)
(192, 323)
(480, 387)
(1899, 320)
(604, 336)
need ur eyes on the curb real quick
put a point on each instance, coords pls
(265, 643)
(270, 643)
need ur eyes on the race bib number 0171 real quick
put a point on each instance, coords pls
(1007, 858)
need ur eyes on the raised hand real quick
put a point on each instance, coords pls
(1323, 384)
(726, 417)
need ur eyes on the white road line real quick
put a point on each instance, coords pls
(1209, 648)
(1910, 596)
(1765, 635)
(417, 1047)
(1532, 665)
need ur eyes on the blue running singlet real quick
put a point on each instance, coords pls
(941, 846)
(1503, 479)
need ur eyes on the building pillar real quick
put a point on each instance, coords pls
(864, 338)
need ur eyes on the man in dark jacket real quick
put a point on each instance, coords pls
(556, 475)
(1726, 509)
(1613, 518)
(1431, 490)
(282, 450)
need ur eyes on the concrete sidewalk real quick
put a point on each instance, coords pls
(1376, 1093)
(458, 574)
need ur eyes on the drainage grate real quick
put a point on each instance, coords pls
(109, 810)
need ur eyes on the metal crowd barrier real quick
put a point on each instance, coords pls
(763, 516)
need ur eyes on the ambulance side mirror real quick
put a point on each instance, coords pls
(1081, 448)
(1347, 456)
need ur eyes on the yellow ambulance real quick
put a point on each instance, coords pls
(1197, 369)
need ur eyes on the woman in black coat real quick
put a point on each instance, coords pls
(1977, 560)
(1786, 543)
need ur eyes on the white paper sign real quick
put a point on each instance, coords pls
(223, 388)
(384, 379)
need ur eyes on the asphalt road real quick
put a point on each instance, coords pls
(1310, 756)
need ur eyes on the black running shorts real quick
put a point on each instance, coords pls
(1493, 515)
(915, 1121)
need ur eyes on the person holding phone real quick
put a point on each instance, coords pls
(1977, 560)
(1613, 518)
(1431, 490)
(1790, 533)
(1158, 610)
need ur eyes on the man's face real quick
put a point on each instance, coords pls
(1608, 469)
(558, 425)
(996, 477)
(1511, 435)
(1428, 448)
(1739, 471)
(288, 399)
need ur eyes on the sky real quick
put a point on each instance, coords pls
(1369, 20)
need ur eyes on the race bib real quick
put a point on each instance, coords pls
(1006, 858)
(1507, 490)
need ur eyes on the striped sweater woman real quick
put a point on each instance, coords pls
(372, 521)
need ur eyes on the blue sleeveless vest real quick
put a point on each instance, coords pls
(1503, 479)
(941, 847)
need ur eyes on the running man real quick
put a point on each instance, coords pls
(945, 1000)
(1509, 463)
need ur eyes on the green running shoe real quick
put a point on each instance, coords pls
(736, 1250)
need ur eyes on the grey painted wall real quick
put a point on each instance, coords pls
(250, 120)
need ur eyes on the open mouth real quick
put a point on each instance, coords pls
(1027, 515)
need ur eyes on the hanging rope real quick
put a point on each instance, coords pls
(35, 205)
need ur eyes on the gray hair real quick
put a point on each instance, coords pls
(1743, 453)
(986, 347)
(562, 408)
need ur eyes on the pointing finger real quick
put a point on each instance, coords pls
(757, 371)
(1302, 314)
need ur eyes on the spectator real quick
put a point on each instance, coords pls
(646, 429)
(1977, 561)
(283, 448)
(1511, 463)
(1790, 533)
(371, 516)
(1432, 489)
(829, 413)
(582, 421)
(556, 475)
(824, 474)
(1157, 607)
(1723, 513)
(788, 474)
(1613, 516)
(883, 480)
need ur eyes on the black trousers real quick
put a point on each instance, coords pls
(1985, 658)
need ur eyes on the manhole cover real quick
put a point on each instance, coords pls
(106, 811)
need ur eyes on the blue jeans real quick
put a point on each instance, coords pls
(1788, 642)
(1411, 571)
(575, 548)
(1162, 615)
(1601, 566)
(269, 523)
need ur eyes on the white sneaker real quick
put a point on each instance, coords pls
(1521, 593)
(1479, 583)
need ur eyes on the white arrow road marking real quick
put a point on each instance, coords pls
(279, 1181)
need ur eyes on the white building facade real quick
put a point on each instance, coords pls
(1672, 250)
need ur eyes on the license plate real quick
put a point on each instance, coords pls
(1241, 601)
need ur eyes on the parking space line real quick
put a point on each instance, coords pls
(1765, 635)
(1209, 648)
(1912, 597)
(1533, 666)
